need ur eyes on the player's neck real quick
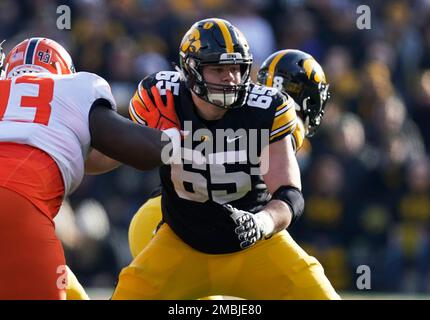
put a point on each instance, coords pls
(206, 110)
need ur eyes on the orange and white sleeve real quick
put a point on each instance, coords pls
(137, 106)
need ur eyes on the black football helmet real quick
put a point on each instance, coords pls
(300, 76)
(215, 42)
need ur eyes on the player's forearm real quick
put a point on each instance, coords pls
(280, 213)
(98, 163)
(125, 141)
(284, 183)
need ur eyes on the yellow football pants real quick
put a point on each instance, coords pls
(167, 268)
(74, 290)
(143, 225)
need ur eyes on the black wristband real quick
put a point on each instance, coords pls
(293, 197)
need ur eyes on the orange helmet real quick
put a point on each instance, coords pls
(38, 55)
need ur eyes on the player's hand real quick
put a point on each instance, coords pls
(248, 229)
(157, 114)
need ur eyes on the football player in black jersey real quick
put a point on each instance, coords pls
(224, 213)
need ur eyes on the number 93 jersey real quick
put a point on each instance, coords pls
(50, 112)
(220, 161)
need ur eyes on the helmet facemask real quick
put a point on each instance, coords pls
(312, 107)
(219, 95)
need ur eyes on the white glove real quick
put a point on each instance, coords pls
(251, 227)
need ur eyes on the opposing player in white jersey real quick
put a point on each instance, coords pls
(51, 118)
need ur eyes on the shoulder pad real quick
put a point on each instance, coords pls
(263, 97)
(298, 135)
(162, 80)
(100, 87)
(284, 119)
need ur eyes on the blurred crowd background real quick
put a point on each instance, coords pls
(366, 173)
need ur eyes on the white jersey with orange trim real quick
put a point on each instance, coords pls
(50, 112)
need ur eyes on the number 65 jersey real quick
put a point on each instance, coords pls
(220, 161)
(50, 112)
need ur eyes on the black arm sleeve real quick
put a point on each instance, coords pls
(293, 197)
(123, 140)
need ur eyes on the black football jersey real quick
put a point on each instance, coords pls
(220, 161)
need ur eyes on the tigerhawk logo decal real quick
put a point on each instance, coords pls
(191, 41)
